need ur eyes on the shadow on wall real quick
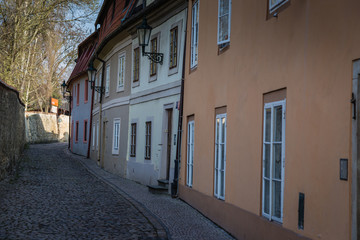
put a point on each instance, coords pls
(46, 128)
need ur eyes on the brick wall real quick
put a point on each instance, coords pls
(12, 128)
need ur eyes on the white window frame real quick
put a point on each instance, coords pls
(107, 80)
(218, 169)
(121, 72)
(194, 56)
(97, 135)
(116, 136)
(271, 106)
(190, 154)
(219, 42)
(94, 135)
(277, 5)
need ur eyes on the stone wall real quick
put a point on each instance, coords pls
(46, 127)
(12, 128)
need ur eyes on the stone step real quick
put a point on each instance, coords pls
(163, 182)
(158, 189)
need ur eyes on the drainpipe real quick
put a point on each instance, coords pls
(70, 111)
(91, 117)
(100, 106)
(175, 183)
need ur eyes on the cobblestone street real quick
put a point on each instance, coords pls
(54, 197)
(58, 195)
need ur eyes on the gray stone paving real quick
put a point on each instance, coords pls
(181, 220)
(55, 197)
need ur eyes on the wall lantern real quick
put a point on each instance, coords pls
(64, 89)
(91, 76)
(144, 33)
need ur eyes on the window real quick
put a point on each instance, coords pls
(78, 94)
(116, 136)
(85, 130)
(97, 135)
(107, 82)
(94, 136)
(220, 156)
(273, 160)
(148, 140)
(121, 72)
(190, 154)
(153, 65)
(133, 140)
(173, 47)
(224, 18)
(275, 4)
(136, 64)
(77, 131)
(86, 93)
(194, 34)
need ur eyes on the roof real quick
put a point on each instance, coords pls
(12, 89)
(112, 14)
(85, 51)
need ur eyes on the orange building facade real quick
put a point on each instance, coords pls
(269, 139)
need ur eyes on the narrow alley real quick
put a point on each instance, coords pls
(58, 195)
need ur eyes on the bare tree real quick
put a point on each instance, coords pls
(38, 43)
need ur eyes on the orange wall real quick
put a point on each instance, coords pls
(308, 50)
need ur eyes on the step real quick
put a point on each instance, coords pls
(163, 182)
(158, 189)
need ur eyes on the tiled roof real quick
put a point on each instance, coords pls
(85, 51)
(110, 19)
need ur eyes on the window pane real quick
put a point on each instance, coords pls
(278, 123)
(222, 183)
(277, 161)
(223, 130)
(224, 28)
(276, 199)
(216, 156)
(216, 183)
(267, 124)
(267, 161)
(224, 7)
(222, 156)
(266, 198)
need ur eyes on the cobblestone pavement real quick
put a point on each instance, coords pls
(55, 197)
(180, 220)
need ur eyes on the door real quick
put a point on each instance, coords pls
(103, 144)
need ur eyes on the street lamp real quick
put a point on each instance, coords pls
(91, 74)
(144, 33)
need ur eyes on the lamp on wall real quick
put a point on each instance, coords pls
(64, 89)
(144, 33)
(91, 75)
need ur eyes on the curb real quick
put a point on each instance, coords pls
(162, 231)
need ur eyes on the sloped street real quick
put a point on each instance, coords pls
(58, 195)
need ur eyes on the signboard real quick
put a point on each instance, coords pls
(54, 109)
(54, 102)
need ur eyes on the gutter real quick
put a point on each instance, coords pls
(175, 183)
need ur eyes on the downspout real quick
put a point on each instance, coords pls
(70, 111)
(175, 183)
(100, 106)
(91, 117)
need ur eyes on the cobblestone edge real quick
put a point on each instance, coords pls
(162, 231)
